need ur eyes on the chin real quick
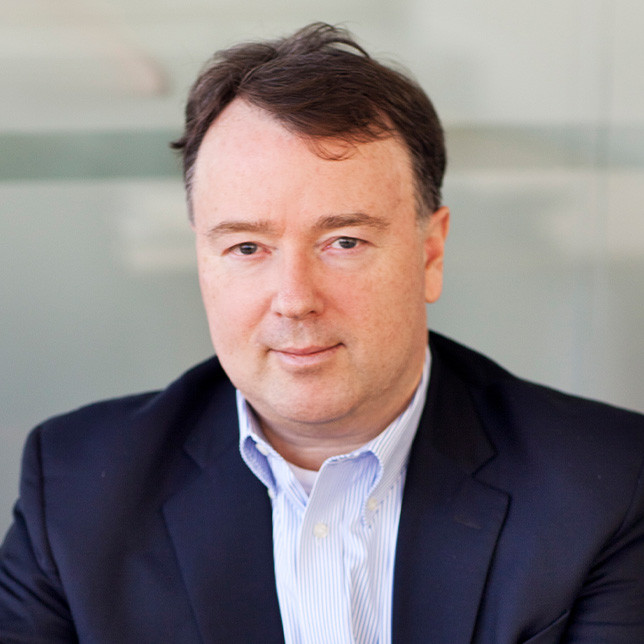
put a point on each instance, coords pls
(322, 412)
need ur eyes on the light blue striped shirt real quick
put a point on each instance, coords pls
(334, 549)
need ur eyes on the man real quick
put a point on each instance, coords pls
(328, 478)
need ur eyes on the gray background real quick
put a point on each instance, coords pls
(544, 109)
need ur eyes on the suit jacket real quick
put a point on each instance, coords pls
(522, 520)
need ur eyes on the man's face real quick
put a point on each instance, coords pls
(314, 273)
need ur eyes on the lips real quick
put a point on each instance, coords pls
(305, 351)
(305, 356)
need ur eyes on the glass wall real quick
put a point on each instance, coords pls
(544, 109)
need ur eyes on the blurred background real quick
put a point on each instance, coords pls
(543, 105)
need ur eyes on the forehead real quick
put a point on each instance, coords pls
(248, 155)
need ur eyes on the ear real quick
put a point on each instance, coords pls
(434, 236)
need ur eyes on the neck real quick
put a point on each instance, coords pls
(308, 445)
(310, 452)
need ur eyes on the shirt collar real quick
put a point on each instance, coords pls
(391, 447)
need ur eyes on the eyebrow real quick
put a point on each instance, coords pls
(261, 226)
(327, 222)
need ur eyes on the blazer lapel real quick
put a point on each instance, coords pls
(221, 527)
(450, 521)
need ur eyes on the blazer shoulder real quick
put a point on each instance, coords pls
(481, 373)
(146, 418)
(517, 413)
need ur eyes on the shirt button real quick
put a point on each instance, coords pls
(372, 504)
(262, 449)
(321, 530)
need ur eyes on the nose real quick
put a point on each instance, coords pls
(297, 292)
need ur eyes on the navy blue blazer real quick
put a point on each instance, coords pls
(522, 520)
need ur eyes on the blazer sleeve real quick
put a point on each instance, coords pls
(33, 608)
(610, 606)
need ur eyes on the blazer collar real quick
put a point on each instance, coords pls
(450, 521)
(220, 524)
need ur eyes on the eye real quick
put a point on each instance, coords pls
(345, 243)
(245, 248)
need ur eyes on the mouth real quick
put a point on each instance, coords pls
(305, 356)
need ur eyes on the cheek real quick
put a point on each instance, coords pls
(393, 304)
(377, 308)
(392, 288)
(230, 309)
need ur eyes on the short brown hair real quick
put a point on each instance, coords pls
(320, 83)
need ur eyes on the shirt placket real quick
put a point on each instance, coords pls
(321, 580)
